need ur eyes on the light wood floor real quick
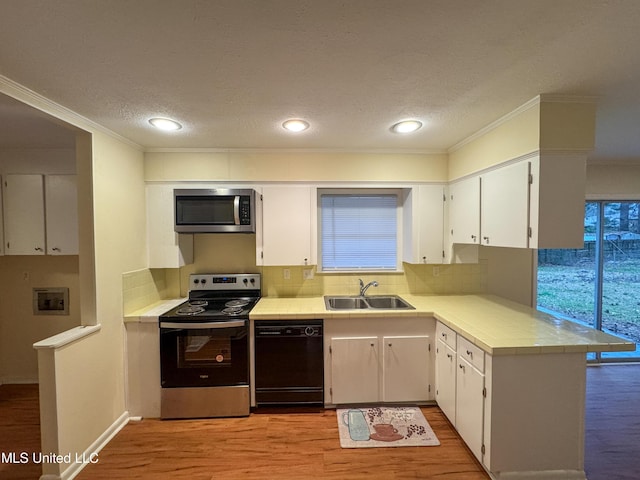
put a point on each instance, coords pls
(19, 429)
(304, 444)
(279, 444)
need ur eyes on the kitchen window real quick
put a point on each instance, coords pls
(359, 230)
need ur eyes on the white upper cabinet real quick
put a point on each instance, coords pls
(40, 214)
(167, 249)
(557, 201)
(424, 224)
(287, 226)
(504, 200)
(24, 215)
(61, 194)
(532, 203)
(464, 211)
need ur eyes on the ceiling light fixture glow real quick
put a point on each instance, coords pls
(406, 126)
(295, 125)
(165, 124)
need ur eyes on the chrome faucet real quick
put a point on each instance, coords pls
(363, 287)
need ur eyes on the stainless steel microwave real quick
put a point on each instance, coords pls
(215, 210)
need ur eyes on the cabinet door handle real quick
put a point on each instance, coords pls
(38, 249)
(449, 355)
(486, 239)
(390, 345)
(473, 237)
(55, 249)
(462, 367)
(444, 335)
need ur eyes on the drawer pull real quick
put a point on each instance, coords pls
(470, 353)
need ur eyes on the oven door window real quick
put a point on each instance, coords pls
(204, 357)
(196, 350)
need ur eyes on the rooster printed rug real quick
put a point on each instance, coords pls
(384, 427)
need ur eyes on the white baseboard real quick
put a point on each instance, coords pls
(91, 453)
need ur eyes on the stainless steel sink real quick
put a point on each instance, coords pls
(373, 302)
(392, 302)
(345, 303)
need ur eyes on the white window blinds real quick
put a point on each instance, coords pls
(359, 232)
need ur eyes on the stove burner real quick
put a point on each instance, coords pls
(237, 303)
(232, 311)
(198, 303)
(190, 310)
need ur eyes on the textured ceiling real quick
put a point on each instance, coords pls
(232, 70)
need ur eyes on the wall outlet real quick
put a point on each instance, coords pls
(436, 271)
(286, 273)
(307, 274)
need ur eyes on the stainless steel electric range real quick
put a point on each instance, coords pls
(204, 348)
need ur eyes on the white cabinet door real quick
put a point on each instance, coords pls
(405, 371)
(61, 192)
(470, 405)
(464, 211)
(166, 248)
(446, 379)
(431, 215)
(505, 206)
(24, 215)
(355, 366)
(286, 225)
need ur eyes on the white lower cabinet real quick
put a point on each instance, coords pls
(460, 389)
(393, 364)
(446, 379)
(470, 405)
(355, 365)
(405, 369)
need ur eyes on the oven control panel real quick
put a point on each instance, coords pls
(208, 281)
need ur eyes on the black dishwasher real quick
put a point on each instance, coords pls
(289, 363)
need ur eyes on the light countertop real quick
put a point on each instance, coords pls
(151, 312)
(498, 326)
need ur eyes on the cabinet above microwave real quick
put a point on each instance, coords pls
(215, 210)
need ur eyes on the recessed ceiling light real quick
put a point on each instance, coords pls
(165, 124)
(295, 125)
(406, 126)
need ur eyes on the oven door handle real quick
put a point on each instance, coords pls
(203, 325)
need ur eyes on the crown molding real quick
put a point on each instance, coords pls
(495, 124)
(59, 112)
(537, 100)
(369, 151)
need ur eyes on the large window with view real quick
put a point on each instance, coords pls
(358, 231)
(599, 284)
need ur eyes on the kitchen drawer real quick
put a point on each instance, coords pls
(471, 353)
(446, 335)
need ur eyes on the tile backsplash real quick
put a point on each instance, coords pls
(142, 288)
(292, 281)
